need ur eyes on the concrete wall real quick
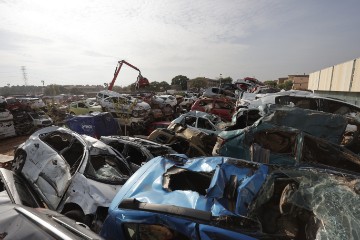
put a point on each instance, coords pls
(344, 77)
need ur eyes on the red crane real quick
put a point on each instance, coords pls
(140, 82)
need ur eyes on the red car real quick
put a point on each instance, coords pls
(217, 106)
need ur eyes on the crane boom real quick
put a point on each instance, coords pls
(140, 82)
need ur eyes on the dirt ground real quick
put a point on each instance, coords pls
(8, 145)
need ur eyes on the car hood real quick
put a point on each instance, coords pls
(326, 194)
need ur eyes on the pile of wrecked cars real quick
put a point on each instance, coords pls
(261, 172)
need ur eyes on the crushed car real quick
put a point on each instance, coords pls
(206, 122)
(137, 151)
(190, 141)
(40, 119)
(217, 106)
(225, 198)
(129, 110)
(7, 128)
(283, 137)
(74, 174)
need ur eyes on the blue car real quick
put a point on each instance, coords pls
(226, 198)
(291, 135)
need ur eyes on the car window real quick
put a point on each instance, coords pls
(66, 145)
(107, 168)
(151, 231)
(119, 146)
(81, 105)
(205, 124)
(135, 155)
(202, 103)
(191, 121)
(277, 141)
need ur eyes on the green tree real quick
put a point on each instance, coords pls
(226, 80)
(54, 89)
(180, 80)
(287, 85)
(271, 83)
(75, 91)
(198, 83)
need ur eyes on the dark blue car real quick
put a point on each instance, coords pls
(226, 198)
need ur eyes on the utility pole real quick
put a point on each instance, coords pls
(23, 69)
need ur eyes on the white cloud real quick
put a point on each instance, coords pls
(60, 41)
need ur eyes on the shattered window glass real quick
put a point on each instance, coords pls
(107, 168)
(317, 151)
(310, 204)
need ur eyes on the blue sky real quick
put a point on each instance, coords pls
(80, 41)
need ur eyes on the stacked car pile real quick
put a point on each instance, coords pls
(280, 167)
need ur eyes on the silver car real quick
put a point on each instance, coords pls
(74, 174)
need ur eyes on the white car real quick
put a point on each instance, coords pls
(205, 122)
(169, 100)
(74, 174)
(187, 102)
(126, 106)
(40, 119)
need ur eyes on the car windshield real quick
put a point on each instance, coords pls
(106, 168)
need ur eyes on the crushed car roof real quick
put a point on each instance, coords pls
(203, 184)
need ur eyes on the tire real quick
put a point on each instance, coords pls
(75, 214)
(18, 162)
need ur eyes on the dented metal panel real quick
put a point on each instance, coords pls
(245, 200)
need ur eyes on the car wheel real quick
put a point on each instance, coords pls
(75, 214)
(18, 162)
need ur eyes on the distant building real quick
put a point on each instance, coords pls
(282, 80)
(300, 82)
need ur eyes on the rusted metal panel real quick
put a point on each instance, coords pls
(342, 76)
(325, 79)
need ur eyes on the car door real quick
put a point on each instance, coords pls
(82, 108)
(47, 169)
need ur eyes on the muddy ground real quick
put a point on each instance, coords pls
(8, 145)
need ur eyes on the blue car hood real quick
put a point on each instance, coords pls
(153, 187)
